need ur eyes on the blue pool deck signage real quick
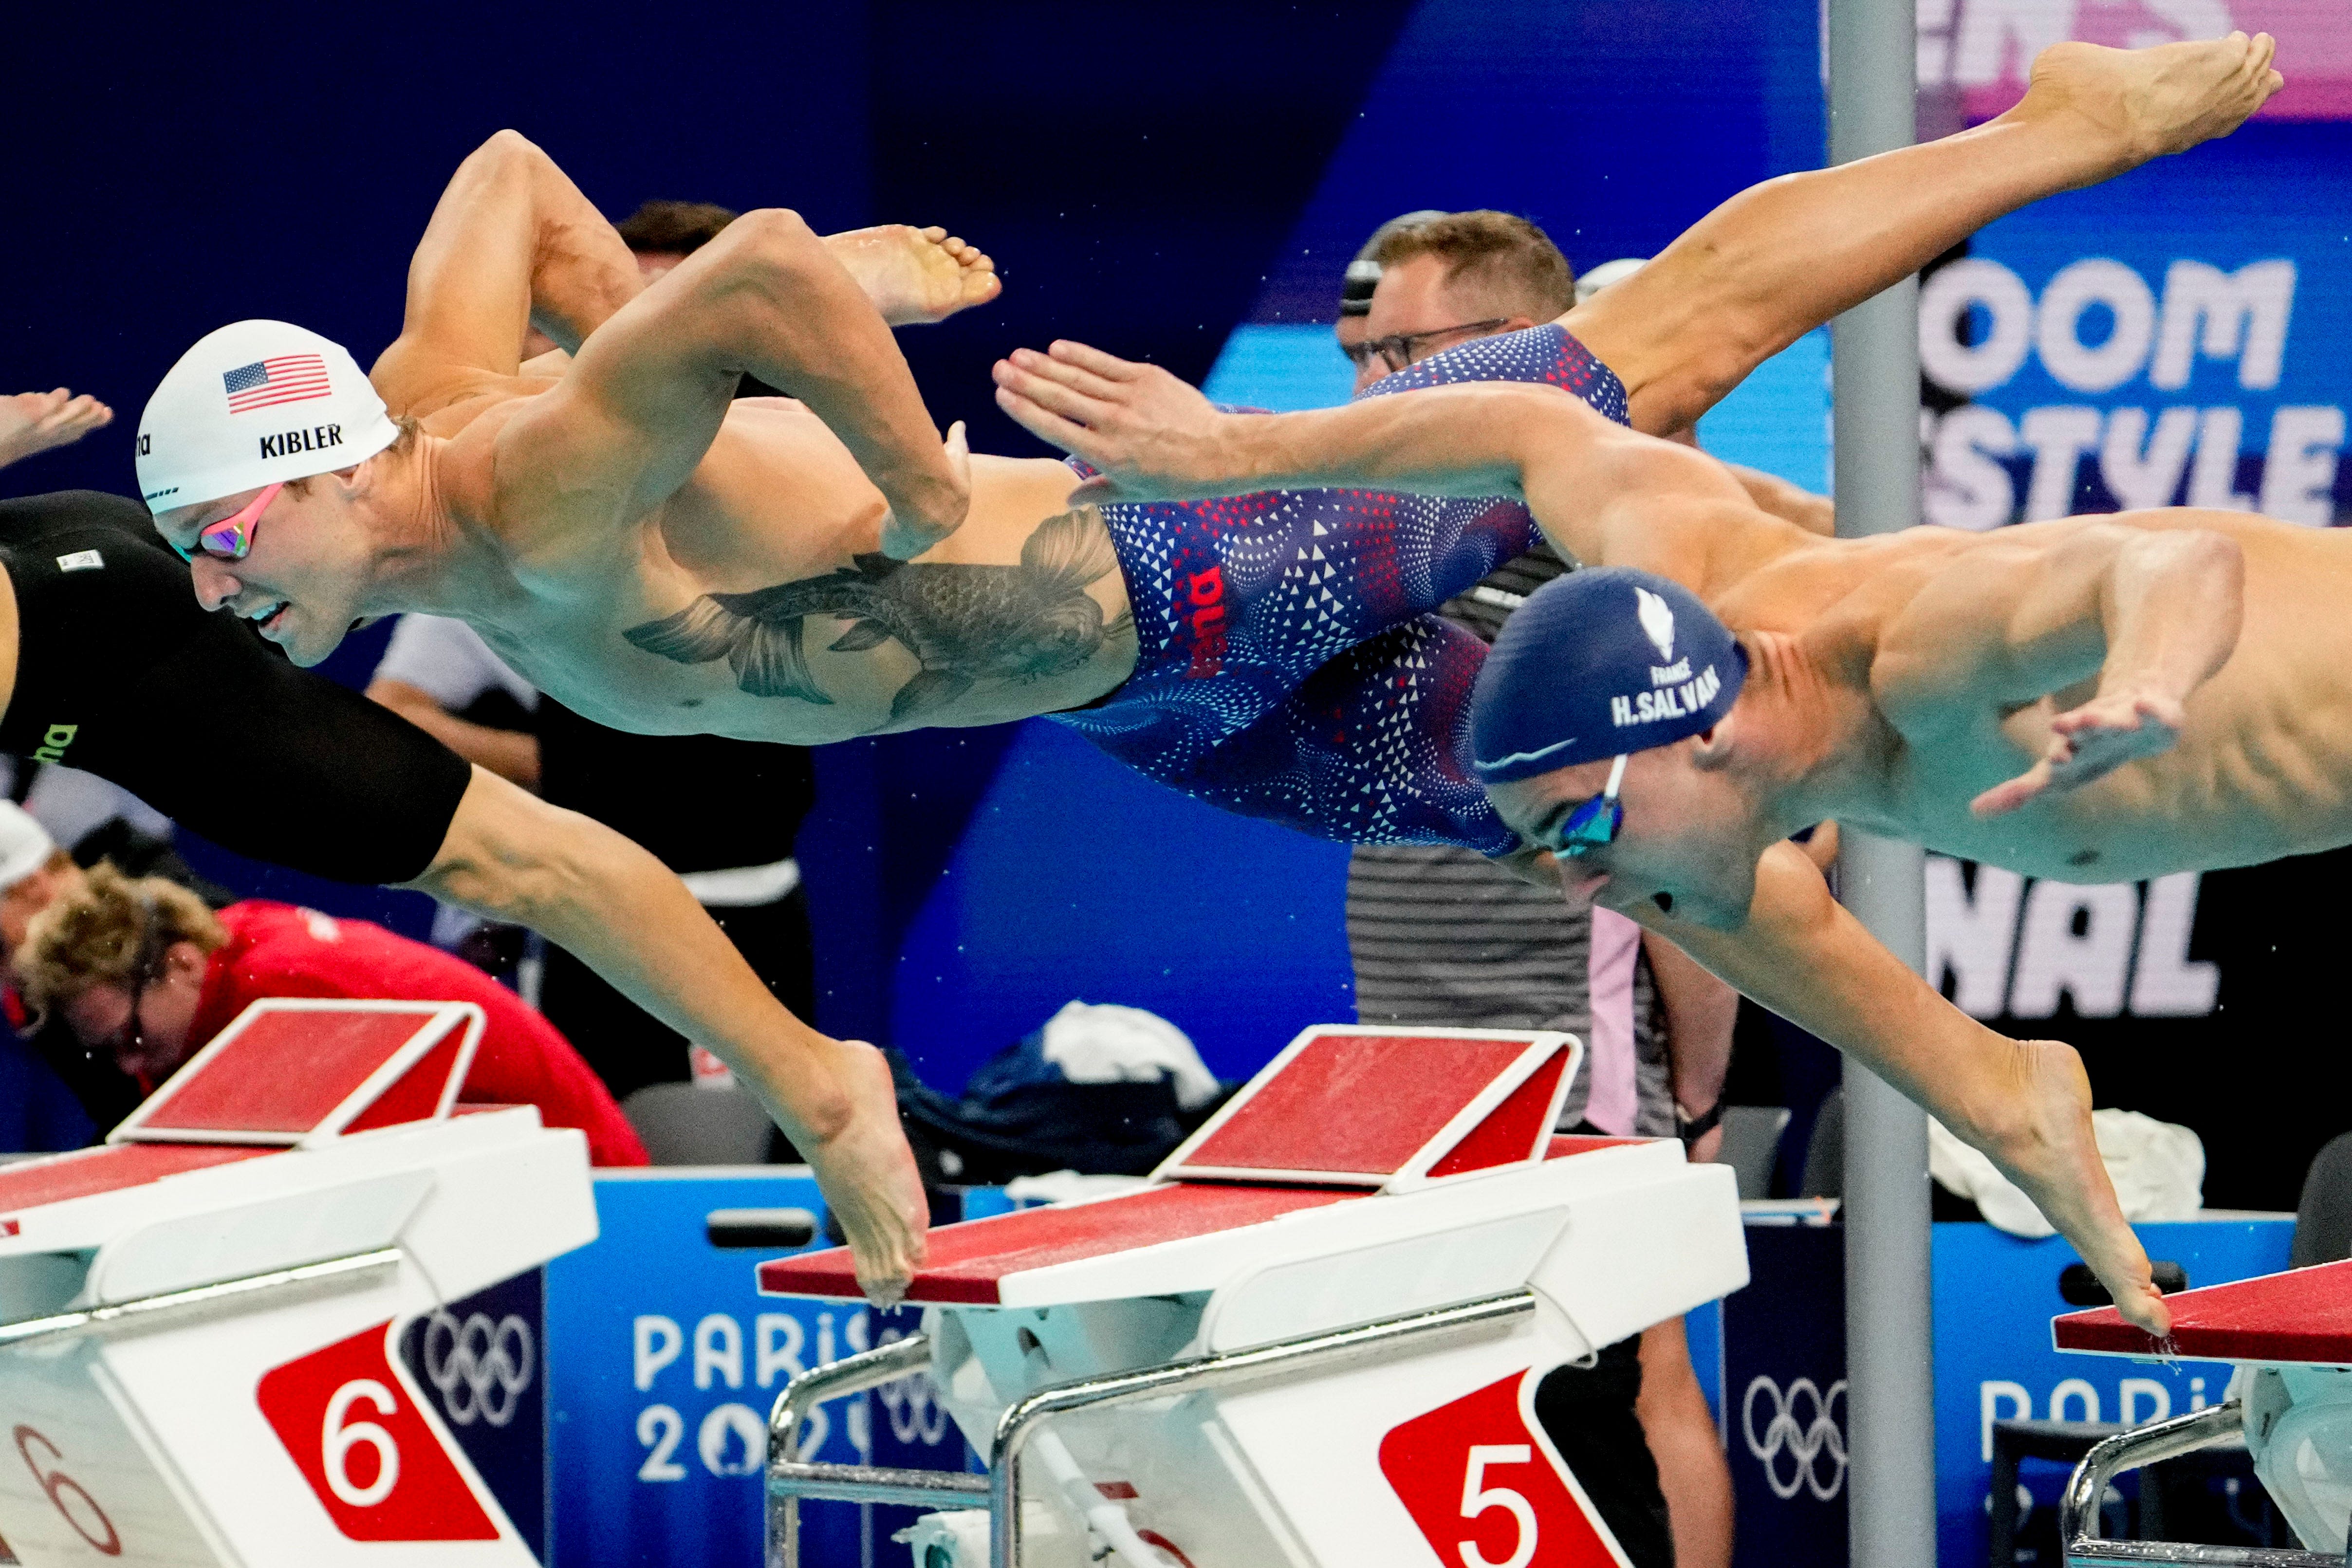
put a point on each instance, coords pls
(663, 1363)
(1783, 1359)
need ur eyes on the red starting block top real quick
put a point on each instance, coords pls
(87, 1172)
(970, 1261)
(1367, 1107)
(291, 1071)
(2302, 1315)
(1341, 1108)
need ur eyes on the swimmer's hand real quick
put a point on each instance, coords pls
(2090, 742)
(868, 1174)
(1151, 436)
(906, 532)
(35, 422)
(2038, 1133)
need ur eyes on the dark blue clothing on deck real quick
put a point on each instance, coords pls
(38, 1114)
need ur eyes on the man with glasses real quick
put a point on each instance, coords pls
(1363, 278)
(1442, 278)
(1444, 935)
(145, 975)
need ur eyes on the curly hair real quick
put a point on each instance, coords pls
(113, 930)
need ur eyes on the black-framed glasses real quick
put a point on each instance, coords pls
(1399, 350)
(131, 1036)
(1596, 822)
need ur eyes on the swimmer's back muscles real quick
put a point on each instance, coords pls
(122, 673)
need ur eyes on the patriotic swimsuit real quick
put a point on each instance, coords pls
(1291, 665)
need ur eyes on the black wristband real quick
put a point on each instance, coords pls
(1690, 1130)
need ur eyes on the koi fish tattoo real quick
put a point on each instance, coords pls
(963, 624)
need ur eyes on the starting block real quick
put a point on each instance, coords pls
(2290, 1337)
(1314, 1339)
(276, 1318)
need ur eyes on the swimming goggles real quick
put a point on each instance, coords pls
(231, 538)
(1596, 822)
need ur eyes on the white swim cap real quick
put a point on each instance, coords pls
(251, 404)
(25, 845)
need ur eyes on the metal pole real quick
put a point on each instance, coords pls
(1874, 357)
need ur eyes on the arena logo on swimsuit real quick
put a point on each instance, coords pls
(1206, 590)
(1675, 702)
(316, 438)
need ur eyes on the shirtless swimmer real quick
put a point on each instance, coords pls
(2121, 696)
(667, 561)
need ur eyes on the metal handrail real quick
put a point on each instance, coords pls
(790, 1479)
(1023, 1417)
(157, 1311)
(2078, 1511)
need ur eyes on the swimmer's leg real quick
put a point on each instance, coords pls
(1374, 748)
(1780, 259)
(1264, 589)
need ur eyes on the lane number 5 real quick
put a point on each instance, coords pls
(1477, 1498)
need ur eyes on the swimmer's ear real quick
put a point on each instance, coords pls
(1715, 747)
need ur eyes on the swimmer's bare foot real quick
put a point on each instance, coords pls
(2145, 103)
(36, 422)
(870, 1179)
(916, 275)
(2042, 1140)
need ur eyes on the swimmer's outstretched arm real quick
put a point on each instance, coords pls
(2152, 614)
(1606, 495)
(511, 856)
(2027, 1106)
(1781, 258)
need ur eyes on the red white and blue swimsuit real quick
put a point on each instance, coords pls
(1290, 665)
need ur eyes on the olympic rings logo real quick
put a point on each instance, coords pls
(480, 1369)
(916, 1415)
(1802, 1440)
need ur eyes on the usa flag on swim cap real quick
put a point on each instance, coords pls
(287, 378)
(1598, 664)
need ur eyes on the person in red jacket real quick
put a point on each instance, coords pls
(142, 971)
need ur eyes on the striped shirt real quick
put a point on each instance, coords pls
(1446, 937)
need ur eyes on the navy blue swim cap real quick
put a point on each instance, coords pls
(1596, 664)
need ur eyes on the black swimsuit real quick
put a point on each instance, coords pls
(120, 673)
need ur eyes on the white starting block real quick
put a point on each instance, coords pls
(1313, 1342)
(2290, 1337)
(211, 1329)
